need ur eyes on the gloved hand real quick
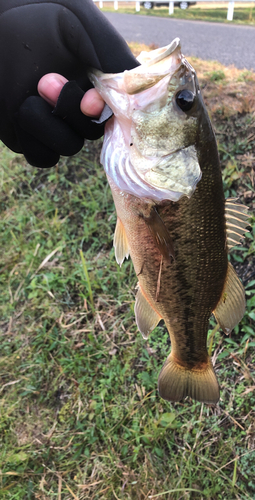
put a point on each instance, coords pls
(60, 36)
(51, 84)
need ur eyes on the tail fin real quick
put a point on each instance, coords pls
(175, 382)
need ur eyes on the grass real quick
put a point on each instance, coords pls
(242, 15)
(80, 416)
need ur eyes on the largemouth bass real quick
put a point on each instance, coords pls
(161, 160)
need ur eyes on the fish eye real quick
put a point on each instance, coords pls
(185, 99)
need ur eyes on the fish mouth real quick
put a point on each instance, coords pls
(157, 55)
(155, 65)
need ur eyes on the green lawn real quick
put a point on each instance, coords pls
(80, 414)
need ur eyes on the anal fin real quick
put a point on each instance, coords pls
(231, 306)
(146, 317)
(120, 243)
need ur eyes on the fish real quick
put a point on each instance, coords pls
(162, 164)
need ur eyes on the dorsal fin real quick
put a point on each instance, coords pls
(236, 221)
(146, 317)
(120, 243)
(231, 306)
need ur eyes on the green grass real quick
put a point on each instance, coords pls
(80, 416)
(242, 15)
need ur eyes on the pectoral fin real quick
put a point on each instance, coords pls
(120, 243)
(160, 234)
(146, 317)
(236, 222)
(231, 306)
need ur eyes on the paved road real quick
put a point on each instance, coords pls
(228, 44)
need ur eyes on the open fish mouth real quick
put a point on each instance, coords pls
(155, 65)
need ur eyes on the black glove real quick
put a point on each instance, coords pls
(57, 36)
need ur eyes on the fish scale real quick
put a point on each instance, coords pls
(162, 164)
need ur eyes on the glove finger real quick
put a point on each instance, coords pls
(35, 152)
(68, 108)
(35, 117)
